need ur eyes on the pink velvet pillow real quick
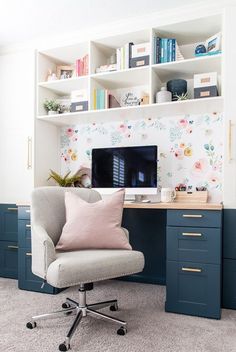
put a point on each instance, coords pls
(93, 225)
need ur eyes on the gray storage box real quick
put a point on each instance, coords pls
(79, 106)
(139, 61)
(205, 92)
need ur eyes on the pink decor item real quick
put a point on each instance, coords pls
(93, 225)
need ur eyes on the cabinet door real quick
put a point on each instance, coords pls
(8, 222)
(193, 288)
(8, 259)
(228, 91)
(17, 106)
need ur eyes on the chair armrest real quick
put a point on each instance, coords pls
(43, 251)
(126, 232)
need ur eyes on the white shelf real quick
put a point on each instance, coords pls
(193, 106)
(65, 86)
(123, 78)
(185, 69)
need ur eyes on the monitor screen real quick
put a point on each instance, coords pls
(129, 167)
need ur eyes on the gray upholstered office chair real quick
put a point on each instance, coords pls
(65, 269)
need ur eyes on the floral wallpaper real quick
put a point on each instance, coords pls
(190, 147)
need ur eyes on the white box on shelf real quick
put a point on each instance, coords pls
(142, 49)
(205, 80)
(79, 95)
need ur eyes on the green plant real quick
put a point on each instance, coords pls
(183, 96)
(51, 105)
(65, 181)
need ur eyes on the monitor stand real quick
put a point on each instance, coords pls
(138, 198)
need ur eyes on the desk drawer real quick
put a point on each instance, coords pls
(193, 288)
(24, 213)
(195, 218)
(24, 233)
(194, 244)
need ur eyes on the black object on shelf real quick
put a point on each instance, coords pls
(177, 87)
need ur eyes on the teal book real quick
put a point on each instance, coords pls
(102, 99)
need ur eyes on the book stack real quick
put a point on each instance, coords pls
(103, 99)
(106, 68)
(123, 56)
(81, 66)
(164, 50)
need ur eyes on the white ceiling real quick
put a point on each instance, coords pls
(24, 20)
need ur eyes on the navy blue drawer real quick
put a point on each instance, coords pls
(229, 234)
(24, 234)
(9, 259)
(195, 218)
(229, 284)
(26, 279)
(193, 288)
(194, 244)
(24, 212)
(8, 222)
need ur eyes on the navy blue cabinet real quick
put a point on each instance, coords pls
(229, 259)
(8, 241)
(27, 280)
(193, 272)
(147, 233)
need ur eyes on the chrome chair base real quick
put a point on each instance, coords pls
(81, 310)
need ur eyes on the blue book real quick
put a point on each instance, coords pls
(173, 53)
(158, 50)
(169, 45)
(162, 50)
(102, 99)
(155, 50)
(165, 40)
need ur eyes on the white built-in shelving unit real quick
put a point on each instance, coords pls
(153, 76)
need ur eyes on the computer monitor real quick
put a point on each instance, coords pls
(133, 168)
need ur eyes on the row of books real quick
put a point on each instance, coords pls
(123, 56)
(166, 50)
(81, 66)
(103, 99)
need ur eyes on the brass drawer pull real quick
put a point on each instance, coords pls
(13, 247)
(29, 254)
(192, 234)
(27, 211)
(28, 225)
(192, 216)
(192, 270)
(12, 209)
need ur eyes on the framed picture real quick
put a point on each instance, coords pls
(213, 43)
(64, 72)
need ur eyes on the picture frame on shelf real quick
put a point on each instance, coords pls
(65, 71)
(213, 43)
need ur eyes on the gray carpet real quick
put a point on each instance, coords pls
(150, 328)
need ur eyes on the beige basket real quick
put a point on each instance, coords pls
(191, 197)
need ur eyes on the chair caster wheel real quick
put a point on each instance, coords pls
(114, 307)
(31, 325)
(64, 347)
(122, 331)
(65, 305)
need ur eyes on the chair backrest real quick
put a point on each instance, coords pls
(48, 207)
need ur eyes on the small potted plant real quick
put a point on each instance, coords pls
(52, 107)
